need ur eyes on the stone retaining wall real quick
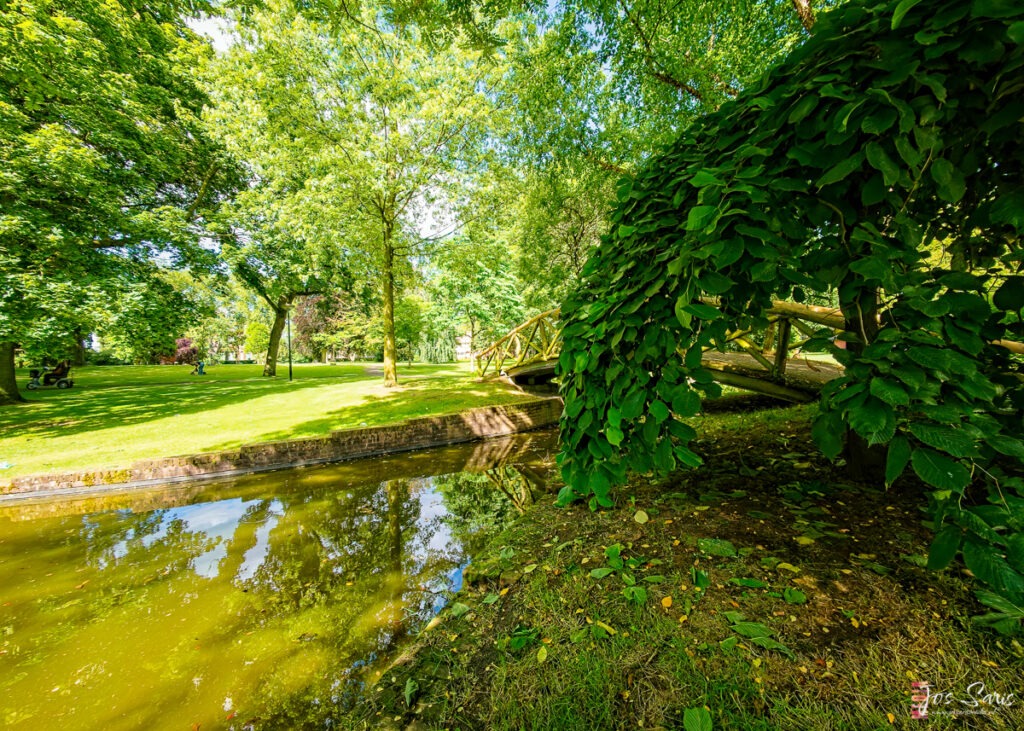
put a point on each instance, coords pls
(431, 431)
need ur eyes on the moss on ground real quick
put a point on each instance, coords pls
(779, 595)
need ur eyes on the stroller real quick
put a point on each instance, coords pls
(60, 377)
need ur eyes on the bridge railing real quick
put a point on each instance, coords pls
(767, 364)
(539, 339)
(536, 340)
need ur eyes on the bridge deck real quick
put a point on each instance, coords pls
(802, 381)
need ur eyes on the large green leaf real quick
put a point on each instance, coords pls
(841, 170)
(992, 569)
(1010, 295)
(751, 629)
(949, 439)
(699, 217)
(697, 719)
(950, 180)
(944, 547)
(872, 417)
(889, 391)
(1015, 551)
(881, 161)
(901, 10)
(827, 432)
(896, 460)
(940, 471)
(685, 402)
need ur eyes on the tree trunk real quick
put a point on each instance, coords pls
(78, 358)
(390, 354)
(280, 317)
(863, 462)
(397, 494)
(8, 381)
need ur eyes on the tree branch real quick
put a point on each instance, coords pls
(204, 186)
(805, 12)
(608, 166)
(661, 75)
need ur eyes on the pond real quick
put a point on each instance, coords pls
(269, 601)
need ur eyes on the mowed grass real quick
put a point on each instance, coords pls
(116, 415)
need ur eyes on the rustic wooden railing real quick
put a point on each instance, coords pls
(536, 340)
(763, 366)
(769, 362)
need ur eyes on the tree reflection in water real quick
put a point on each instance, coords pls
(271, 607)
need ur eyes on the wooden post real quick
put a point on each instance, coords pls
(782, 348)
(769, 333)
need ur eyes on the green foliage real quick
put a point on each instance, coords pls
(474, 291)
(411, 687)
(257, 336)
(103, 160)
(145, 318)
(626, 567)
(756, 633)
(862, 166)
(356, 132)
(794, 596)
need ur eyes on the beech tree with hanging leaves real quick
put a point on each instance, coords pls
(880, 162)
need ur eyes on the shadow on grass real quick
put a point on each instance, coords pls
(410, 400)
(64, 413)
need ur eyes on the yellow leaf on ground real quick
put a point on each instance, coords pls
(542, 654)
(666, 602)
(641, 517)
(606, 627)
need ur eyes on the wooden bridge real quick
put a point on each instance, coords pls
(766, 361)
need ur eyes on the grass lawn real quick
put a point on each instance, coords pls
(775, 594)
(116, 415)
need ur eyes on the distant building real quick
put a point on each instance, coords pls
(464, 347)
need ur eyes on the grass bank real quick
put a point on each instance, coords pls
(116, 415)
(763, 588)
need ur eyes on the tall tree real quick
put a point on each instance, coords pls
(279, 259)
(475, 290)
(387, 126)
(146, 316)
(102, 157)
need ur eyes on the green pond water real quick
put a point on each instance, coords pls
(271, 601)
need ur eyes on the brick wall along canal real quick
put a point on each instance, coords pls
(269, 601)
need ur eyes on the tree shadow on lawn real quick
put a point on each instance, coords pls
(426, 397)
(103, 377)
(64, 413)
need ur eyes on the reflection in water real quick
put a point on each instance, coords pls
(264, 602)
